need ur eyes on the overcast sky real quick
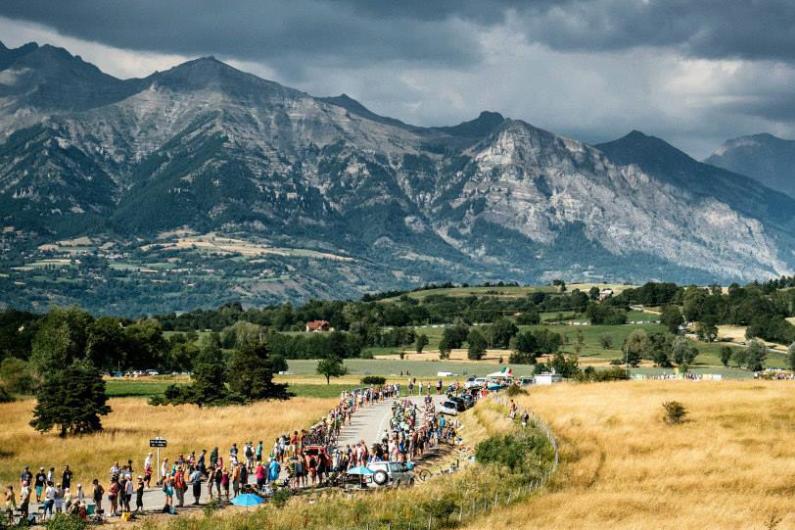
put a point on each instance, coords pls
(694, 72)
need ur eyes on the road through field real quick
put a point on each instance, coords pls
(369, 423)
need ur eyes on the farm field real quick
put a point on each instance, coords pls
(393, 367)
(729, 466)
(509, 291)
(132, 423)
(307, 387)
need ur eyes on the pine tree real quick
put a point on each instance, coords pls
(477, 345)
(251, 374)
(72, 399)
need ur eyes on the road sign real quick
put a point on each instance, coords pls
(158, 442)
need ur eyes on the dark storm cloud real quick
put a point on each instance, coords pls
(257, 30)
(714, 29)
(432, 31)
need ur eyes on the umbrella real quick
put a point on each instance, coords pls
(361, 470)
(247, 499)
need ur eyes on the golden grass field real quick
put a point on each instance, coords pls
(133, 422)
(730, 466)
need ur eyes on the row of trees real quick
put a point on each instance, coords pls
(245, 376)
(662, 348)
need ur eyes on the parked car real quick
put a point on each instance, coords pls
(526, 381)
(475, 382)
(461, 404)
(468, 399)
(449, 407)
(397, 473)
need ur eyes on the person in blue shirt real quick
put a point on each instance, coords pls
(273, 470)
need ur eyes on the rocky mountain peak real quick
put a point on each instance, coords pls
(762, 156)
(210, 74)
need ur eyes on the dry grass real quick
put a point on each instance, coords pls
(132, 423)
(731, 465)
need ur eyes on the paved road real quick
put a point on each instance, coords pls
(368, 424)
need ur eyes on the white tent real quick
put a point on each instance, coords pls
(503, 374)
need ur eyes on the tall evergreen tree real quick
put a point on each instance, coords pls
(251, 374)
(477, 345)
(72, 399)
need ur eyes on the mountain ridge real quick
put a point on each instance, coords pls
(206, 148)
(762, 156)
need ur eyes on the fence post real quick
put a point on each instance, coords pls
(430, 518)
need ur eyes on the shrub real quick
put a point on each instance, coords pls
(598, 376)
(375, 380)
(63, 521)
(441, 508)
(5, 395)
(211, 507)
(280, 497)
(515, 390)
(673, 412)
(523, 452)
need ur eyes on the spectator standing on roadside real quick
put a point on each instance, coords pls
(273, 470)
(259, 472)
(225, 482)
(41, 481)
(113, 497)
(27, 476)
(168, 491)
(58, 498)
(98, 492)
(66, 478)
(163, 471)
(139, 495)
(148, 470)
(179, 486)
(128, 493)
(214, 458)
(201, 464)
(24, 499)
(11, 502)
(49, 499)
(196, 481)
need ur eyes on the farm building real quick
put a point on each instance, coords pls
(318, 325)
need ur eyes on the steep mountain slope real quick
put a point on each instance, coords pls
(768, 159)
(206, 149)
(702, 181)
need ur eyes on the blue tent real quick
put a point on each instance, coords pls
(247, 499)
(360, 471)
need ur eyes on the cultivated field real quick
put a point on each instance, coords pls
(132, 423)
(730, 466)
(510, 291)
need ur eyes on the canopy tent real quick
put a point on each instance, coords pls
(502, 374)
(247, 499)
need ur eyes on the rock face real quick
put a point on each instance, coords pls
(768, 159)
(208, 148)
